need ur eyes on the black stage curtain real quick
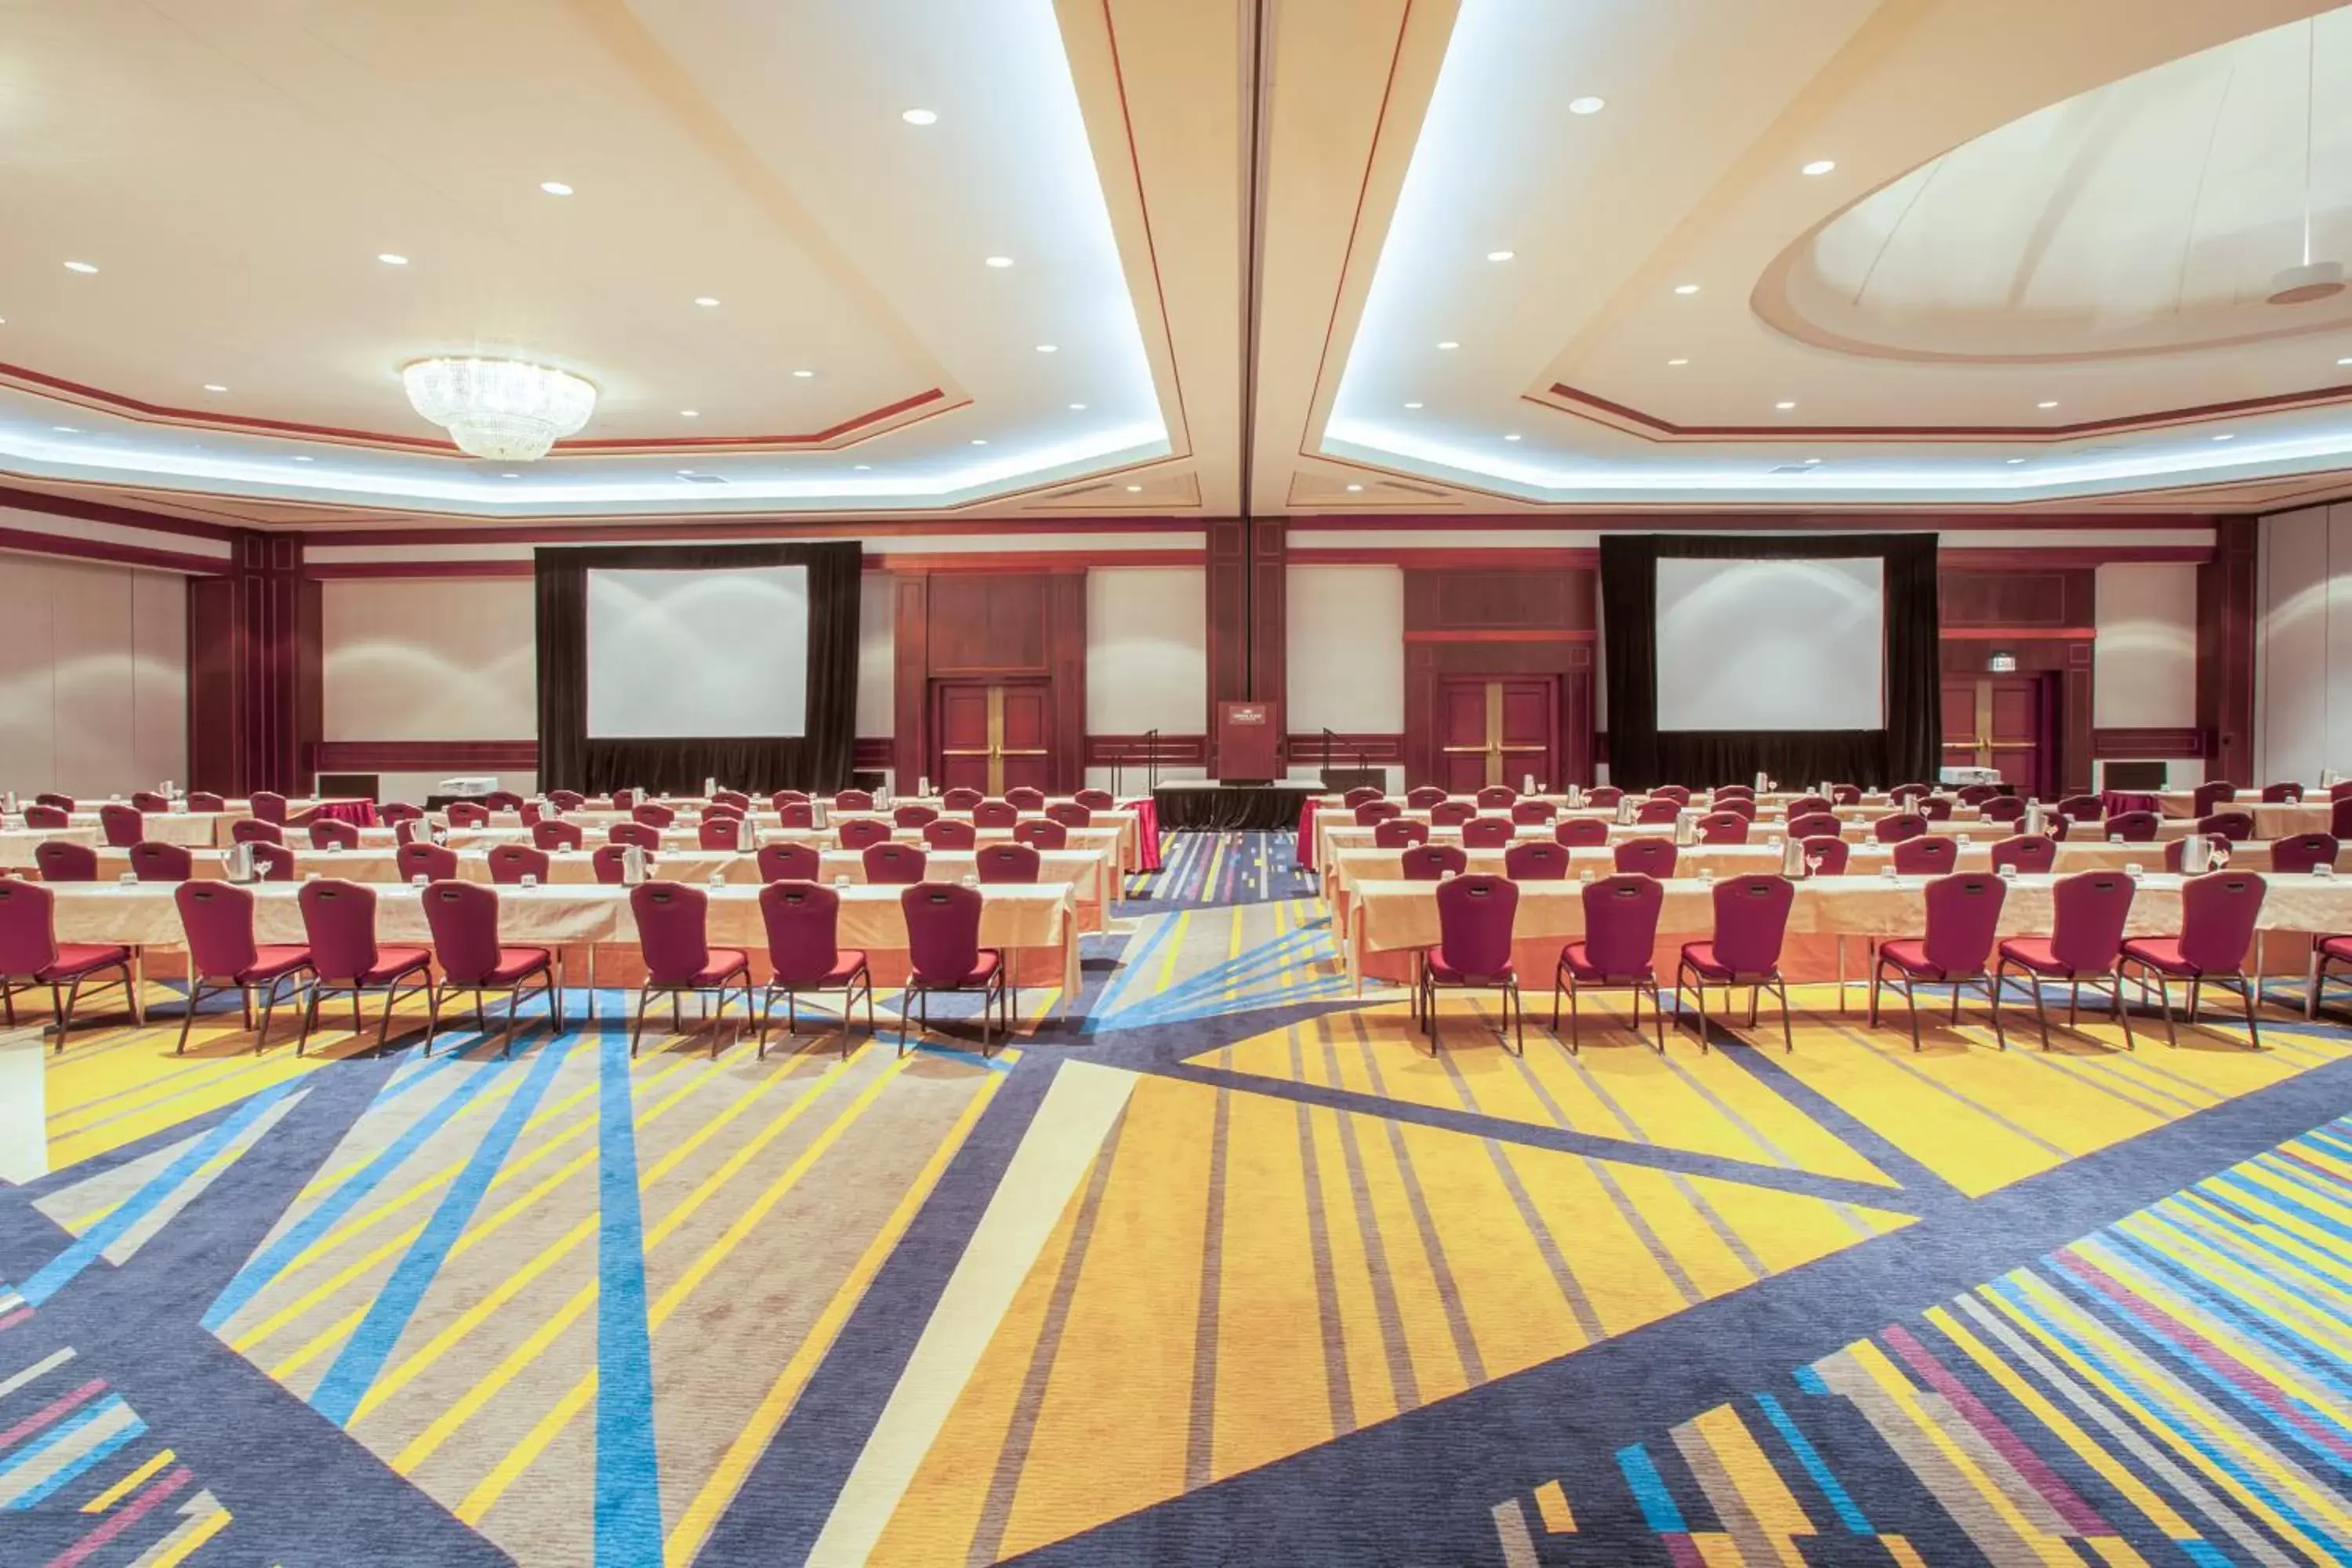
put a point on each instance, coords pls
(1909, 748)
(818, 759)
(1228, 808)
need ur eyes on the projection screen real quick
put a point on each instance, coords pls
(675, 654)
(1766, 644)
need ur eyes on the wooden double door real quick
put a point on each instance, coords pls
(992, 735)
(1497, 730)
(2004, 722)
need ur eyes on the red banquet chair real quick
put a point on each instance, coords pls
(62, 860)
(1904, 795)
(717, 832)
(1585, 832)
(1723, 828)
(1009, 863)
(273, 862)
(2218, 912)
(2030, 853)
(654, 817)
(339, 918)
(1826, 855)
(890, 864)
(1536, 861)
(1039, 833)
(1752, 921)
(961, 799)
(1816, 824)
(1431, 862)
(1649, 857)
(1360, 794)
(1977, 793)
(502, 800)
(554, 836)
(2088, 912)
(1604, 797)
(57, 801)
(1934, 807)
(2134, 827)
(1676, 793)
(252, 830)
(2211, 796)
(609, 863)
(205, 800)
(2282, 794)
(1448, 813)
(860, 833)
(625, 800)
(2297, 856)
(949, 832)
(434, 862)
(329, 833)
(1024, 798)
(1498, 797)
(1533, 813)
(790, 863)
(645, 838)
(1736, 805)
(1846, 794)
(944, 955)
(914, 815)
(2339, 816)
(511, 863)
(31, 956)
(467, 814)
(1070, 813)
(121, 826)
(2081, 808)
(1963, 914)
(1897, 826)
(853, 800)
(1375, 811)
(1656, 810)
(399, 813)
(1929, 854)
(1620, 936)
(464, 919)
(734, 800)
(38, 815)
(2340, 789)
(797, 813)
(1397, 833)
(2237, 827)
(268, 805)
(995, 814)
(224, 956)
(673, 924)
(1474, 917)
(1421, 798)
(2001, 808)
(1722, 793)
(1807, 806)
(562, 799)
(1487, 832)
(1096, 799)
(805, 953)
(157, 862)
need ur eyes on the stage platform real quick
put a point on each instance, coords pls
(1207, 806)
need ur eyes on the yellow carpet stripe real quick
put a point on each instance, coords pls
(694, 1525)
(128, 1484)
(1552, 1504)
(193, 1535)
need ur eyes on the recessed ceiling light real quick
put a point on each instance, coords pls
(215, 386)
(1047, 349)
(1784, 404)
(79, 267)
(1000, 261)
(1077, 408)
(1677, 363)
(2346, 359)
(1355, 489)
(804, 374)
(861, 468)
(306, 459)
(1513, 437)
(685, 473)
(2226, 435)
(689, 414)
(1500, 255)
(706, 302)
(920, 117)
(979, 441)
(1449, 343)
(1812, 462)
(510, 476)
(391, 258)
(1135, 489)
(2014, 461)
(67, 429)
(2047, 403)
(1412, 405)
(1820, 166)
(555, 187)
(1587, 105)
(1686, 287)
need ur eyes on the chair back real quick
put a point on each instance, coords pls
(1041, 832)
(206, 800)
(1445, 814)
(566, 799)
(1421, 797)
(2339, 816)
(1008, 863)
(546, 835)
(995, 814)
(1532, 811)
(464, 919)
(218, 918)
(1934, 807)
(411, 831)
(645, 838)
(942, 931)
(607, 862)
(502, 800)
(1723, 828)
(657, 816)
(803, 922)
(435, 862)
(38, 816)
(719, 811)
(1360, 794)
(1585, 831)
(1496, 797)
(511, 863)
(2217, 919)
(467, 814)
(785, 797)
(1070, 813)
(2297, 856)
(1678, 793)
(1897, 826)
(1430, 862)
(797, 813)
(2030, 853)
(1846, 794)
(62, 860)
(1396, 833)
(2340, 789)
(1604, 796)
(2086, 923)
(853, 800)
(1722, 793)
(914, 814)
(1977, 794)
(28, 935)
(1647, 857)
(1963, 913)
(275, 862)
(1752, 917)
(1656, 810)
(122, 826)
(1807, 804)
(734, 799)
(1487, 832)
(1621, 921)
(961, 799)
(339, 919)
(253, 830)
(2082, 807)
(1474, 917)
(1739, 805)
(790, 863)
(625, 799)
(949, 832)
(2211, 795)
(895, 864)
(1815, 825)
(2001, 808)
(2134, 827)
(64, 802)
(2237, 827)
(1023, 797)
(717, 832)
(1096, 799)
(152, 861)
(671, 921)
(1536, 861)
(1830, 849)
(1373, 811)
(1903, 793)
(2272, 793)
(862, 832)
(268, 805)
(1928, 855)
(329, 833)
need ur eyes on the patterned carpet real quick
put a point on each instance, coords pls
(1216, 1264)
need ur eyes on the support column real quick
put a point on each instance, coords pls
(1248, 592)
(255, 703)
(2225, 652)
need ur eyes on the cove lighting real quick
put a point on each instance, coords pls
(1077, 408)
(1047, 349)
(689, 414)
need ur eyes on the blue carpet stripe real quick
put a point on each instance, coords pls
(66, 1474)
(629, 1474)
(371, 1344)
(1659, 1509)
(1855, 1522)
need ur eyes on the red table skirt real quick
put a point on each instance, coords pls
(1147, 833)
(359, 813)
(1305, 856)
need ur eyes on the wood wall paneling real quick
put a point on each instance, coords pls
(255, 700)
(1498, 622)
(990, 625)
(1269, 653)
(2225, 651)
(2148, 745)
(911, 705)
(1066, 643)
(426, 756)
(2042, 614)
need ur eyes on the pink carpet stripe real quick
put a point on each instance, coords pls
(18, 1316)
(123, 1518)
(2068, 1504)
(47, 1413)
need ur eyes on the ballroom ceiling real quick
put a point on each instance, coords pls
(1044, 257)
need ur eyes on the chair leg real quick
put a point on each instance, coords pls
(2314, 974)
(1877, 972)
(1657, 1016)
(2254, 1030)
(2041, 1018)
(188, 1018)
(2073, 1001)
(1999, 1039)
(1704, 1028)
(310, 1016)
(1911, 1002)
(1429, 1019)
(1575, 1028)
(2122, 1013)
(1788, 1027)
(514, 1002)
(2196, 989)
(907, 997)
(1518, 1018)
(2164, 995)
(57, 1012)
(637, 1023)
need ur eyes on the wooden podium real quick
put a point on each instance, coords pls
(1249, 742)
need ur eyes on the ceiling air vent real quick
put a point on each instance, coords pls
(1795, 468)
(1412, 489)
(704, 479)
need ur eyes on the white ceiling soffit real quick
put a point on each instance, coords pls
(2031, 273)
(234, 172)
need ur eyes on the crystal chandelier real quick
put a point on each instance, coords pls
(500, 408)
